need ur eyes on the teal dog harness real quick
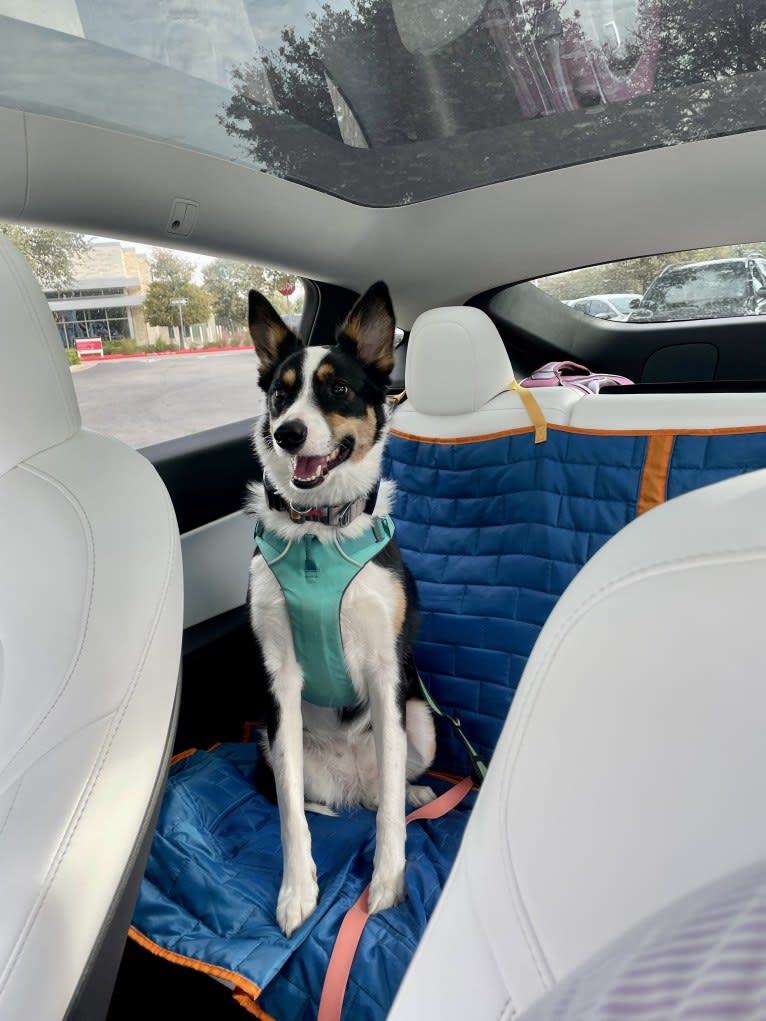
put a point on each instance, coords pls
(313, 576)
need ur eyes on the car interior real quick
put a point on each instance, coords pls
(589, 566)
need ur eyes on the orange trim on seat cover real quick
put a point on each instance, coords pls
(250, 1005)
(654, 478)
(241, 984)
(453, 440)
(183, 755)
(734, 430)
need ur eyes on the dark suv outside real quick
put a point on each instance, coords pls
(705, 290)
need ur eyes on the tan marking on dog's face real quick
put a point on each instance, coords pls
(362, 429)
(325, 371)
(399, 606)
(289, 377)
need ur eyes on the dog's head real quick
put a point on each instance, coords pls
(326, 406)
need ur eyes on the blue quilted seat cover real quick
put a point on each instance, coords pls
(495, 529)
(702, 460)
(209, 894)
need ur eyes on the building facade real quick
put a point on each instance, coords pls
(106, 297)
(105, 301)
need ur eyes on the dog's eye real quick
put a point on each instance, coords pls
(339, 389)
(278, 392)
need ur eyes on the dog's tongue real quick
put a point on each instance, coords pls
(305, 468)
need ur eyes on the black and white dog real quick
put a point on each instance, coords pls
(320, 447)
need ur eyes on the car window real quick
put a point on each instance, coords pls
(597, 308)
(622, 302)
(157, 339)
(701, 284)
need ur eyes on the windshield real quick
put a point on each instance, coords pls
(694, 284)
(387, 102)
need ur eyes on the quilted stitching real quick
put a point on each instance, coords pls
(494, 531)
(703, 460)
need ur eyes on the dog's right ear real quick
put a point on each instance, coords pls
(272, 340)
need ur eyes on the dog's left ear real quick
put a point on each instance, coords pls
(368, 332)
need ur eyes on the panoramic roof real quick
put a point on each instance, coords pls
(390, 102)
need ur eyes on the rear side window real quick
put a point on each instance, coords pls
(157, 340)
(702, 284)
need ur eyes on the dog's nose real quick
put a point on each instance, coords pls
(291, 435)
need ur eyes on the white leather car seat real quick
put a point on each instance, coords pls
(630, 768)
(90, 641)
(457, 379)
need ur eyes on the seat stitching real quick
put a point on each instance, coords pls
(535, 684)
(85, 799)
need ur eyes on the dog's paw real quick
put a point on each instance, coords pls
(419, 796)
(297, 901)
(386, 890)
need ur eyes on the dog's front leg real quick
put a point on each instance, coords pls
(387, 887)
(299, 891)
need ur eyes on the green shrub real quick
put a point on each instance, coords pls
(120, 346)
(72, 357)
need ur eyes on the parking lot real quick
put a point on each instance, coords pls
(147, 400)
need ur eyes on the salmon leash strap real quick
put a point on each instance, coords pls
(352, 926)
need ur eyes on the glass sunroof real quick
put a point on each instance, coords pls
(388, 102)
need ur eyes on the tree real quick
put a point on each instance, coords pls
(172, 280)
(171, 267)
(228, 283)
(704, 40)
(50, 253)
(685, 43)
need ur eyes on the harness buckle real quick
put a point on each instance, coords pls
(380, 529)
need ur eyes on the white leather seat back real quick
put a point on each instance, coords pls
(38, 406)
(671, 412)
(630, 768)
(90, 636)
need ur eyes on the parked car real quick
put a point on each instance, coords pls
(457, 152)
(702, 290)
(605, 306)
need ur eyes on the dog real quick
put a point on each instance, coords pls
(346, 722)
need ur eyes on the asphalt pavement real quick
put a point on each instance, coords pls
(147, 400)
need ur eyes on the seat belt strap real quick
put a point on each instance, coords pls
(352, 926)
(533, 409)
(478, 766)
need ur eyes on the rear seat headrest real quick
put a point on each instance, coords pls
(38, 408)
(456, 361)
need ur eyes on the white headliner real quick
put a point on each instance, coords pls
(439, 252)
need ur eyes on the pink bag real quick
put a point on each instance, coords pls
(575, 376)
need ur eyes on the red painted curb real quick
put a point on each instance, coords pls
(161, 354)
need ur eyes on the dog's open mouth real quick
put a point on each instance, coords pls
(310, 471)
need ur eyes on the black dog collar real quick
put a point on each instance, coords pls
(338, 516)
